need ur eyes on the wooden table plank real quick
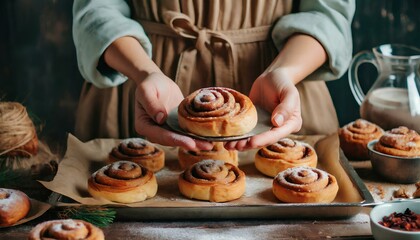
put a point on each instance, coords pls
(356, 227)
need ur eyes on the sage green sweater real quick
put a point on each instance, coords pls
(97, 23)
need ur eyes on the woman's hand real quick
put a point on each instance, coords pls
(275, 92)
(275, 89)
(156, 96)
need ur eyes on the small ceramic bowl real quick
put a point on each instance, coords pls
(392, 168)
(384, 233)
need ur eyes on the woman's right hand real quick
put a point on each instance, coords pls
(156, 95)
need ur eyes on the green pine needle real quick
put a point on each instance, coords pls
(98, 216)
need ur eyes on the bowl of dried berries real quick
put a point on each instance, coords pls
(396, 220)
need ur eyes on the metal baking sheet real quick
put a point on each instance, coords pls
(258, 201)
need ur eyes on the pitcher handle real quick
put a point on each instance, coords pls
(361, 57)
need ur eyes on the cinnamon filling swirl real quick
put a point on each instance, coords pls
(66, 229)
(305, 185)
(139, 151)
(284, 154)
(355, 136)
(124, 182)
(212, 180)
(399, 141)
(217, 111)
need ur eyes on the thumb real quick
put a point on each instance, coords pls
(284, 111)
(152, 105)
(279, 116)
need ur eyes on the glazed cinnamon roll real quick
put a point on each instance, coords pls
(305, 185)
(139, 151)
(217, 111)
(187, 158)
(14, 205)
(212, 180)
(284, 154)
(401, 141)
(69, 229)
(123, 182)
(355, 136)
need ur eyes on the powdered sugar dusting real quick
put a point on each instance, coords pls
(117, 165)
(139, 141)
(7, 203)
(65, 225)
(205, 96)
(311, 173)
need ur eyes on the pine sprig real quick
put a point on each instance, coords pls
(98, 216)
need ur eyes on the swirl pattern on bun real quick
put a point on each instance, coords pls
(139, 151)
(355, 136)
(217, 111)
(212, 180)
(123, 182)
(401, 141)
(67, 229)
(305, 185)
(284, 154)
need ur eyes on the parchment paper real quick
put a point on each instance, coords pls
(82, 159)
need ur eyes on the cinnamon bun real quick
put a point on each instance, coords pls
(217, 111)
(123, 182)
(139, 151)
(212, 180)
(355, 136)
(401, 141)
(187, 158)
(305, 185)
(284, 154)
(14, 205)
(68, 229)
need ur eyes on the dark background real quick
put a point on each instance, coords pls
(38, 63)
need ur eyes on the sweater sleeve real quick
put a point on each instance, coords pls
(96, 24)
(328, 21)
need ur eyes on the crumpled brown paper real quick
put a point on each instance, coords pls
(82, 159)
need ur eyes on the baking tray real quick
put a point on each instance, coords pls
(258, 201)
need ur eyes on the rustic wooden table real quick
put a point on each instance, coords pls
(354, 228)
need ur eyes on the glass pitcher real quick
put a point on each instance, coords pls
(393, 100)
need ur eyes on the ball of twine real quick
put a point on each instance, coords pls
(16, 127)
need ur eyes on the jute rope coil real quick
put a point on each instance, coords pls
(16, 127)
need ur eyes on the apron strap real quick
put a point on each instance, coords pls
(217, 47)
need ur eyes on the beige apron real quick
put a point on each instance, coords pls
(201, 43)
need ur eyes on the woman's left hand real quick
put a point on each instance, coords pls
(275, 92)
